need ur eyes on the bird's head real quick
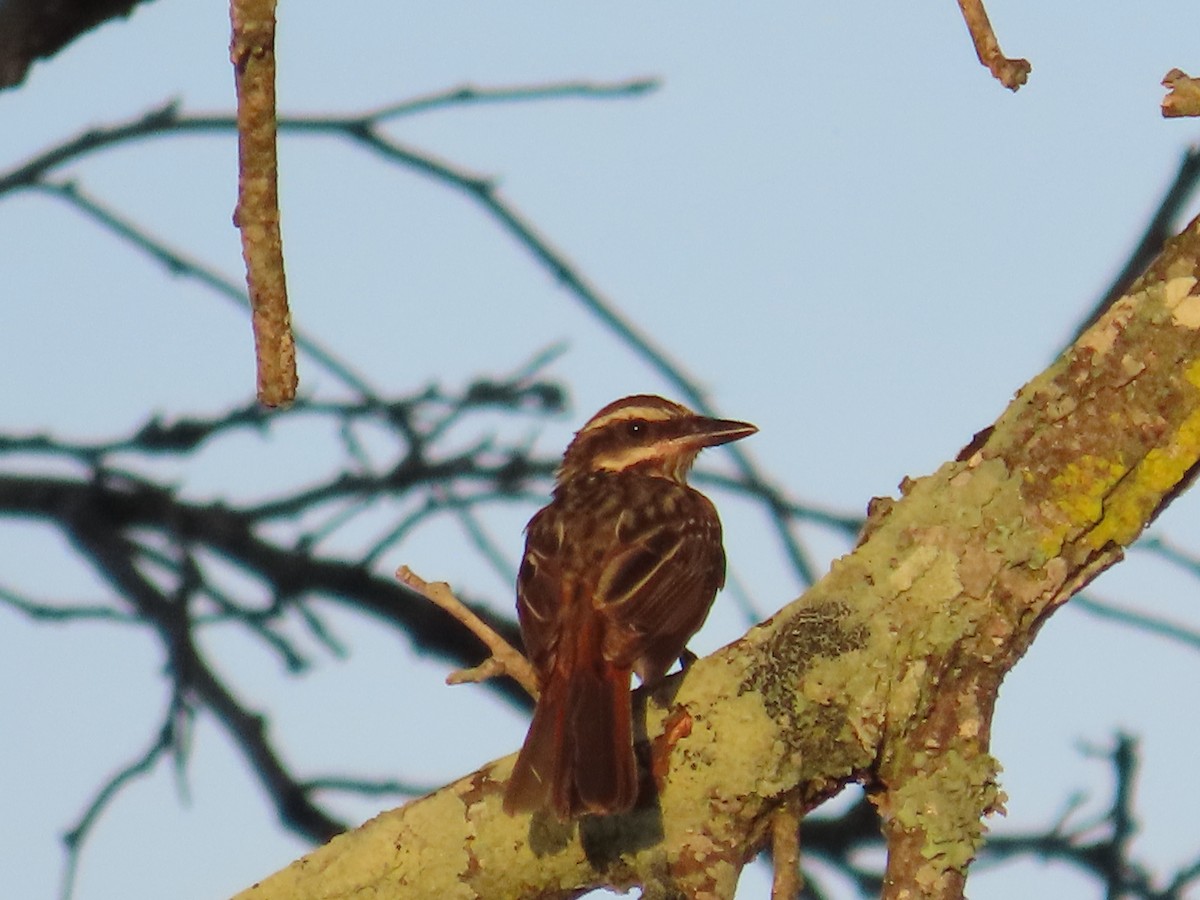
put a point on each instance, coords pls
(647, 435)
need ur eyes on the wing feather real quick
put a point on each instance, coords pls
(540, 589)
(643, 558)
(657, 589)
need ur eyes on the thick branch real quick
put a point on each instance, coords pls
(885, 671)
(231, 534)
(192, 673)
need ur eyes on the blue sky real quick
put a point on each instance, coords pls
(830, 214)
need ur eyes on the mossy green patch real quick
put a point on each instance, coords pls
(946, 799)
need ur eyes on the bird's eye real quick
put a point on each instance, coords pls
(634, 428)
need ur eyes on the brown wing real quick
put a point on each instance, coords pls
(657, 583)
(644, 554)
(539, 588)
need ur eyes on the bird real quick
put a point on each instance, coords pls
(620, 570)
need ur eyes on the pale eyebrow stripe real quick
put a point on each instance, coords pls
(649, 413)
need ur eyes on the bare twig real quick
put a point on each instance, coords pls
(1141, 621)
(367, 787)
(48, 612)
(1183, 880)
(787, 880)
(76, 837)
(505, 660)
(234, 533)
(1101, 847)
(252, 51)
(488, 549)
(192, 675)
(1183, 95)
(153, 546)
(166, 121)
(366, 129)
(470, 95)
(1124, 823)
(1012, 73)
(179, 263)
(844, 523)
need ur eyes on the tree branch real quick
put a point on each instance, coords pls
(367, 130)
(1012, 73)
(886, 671)
(252, 52)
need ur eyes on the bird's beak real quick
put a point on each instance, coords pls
(705, 432)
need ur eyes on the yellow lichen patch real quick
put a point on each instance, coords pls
(1079, 495)
(1192, 373)
(1158, 474)
(1162, 469)
(1187, 313)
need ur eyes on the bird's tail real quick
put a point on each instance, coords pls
(578, 756)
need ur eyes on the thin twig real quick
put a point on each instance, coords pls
(364, 129)
(56, 613)
(1012, 73)
(319, 630)
(75, 838)
(469, 95)
(1159, 546)
(179, 263)
(505, 660)
(1141, 621)
(485, 192)
(1183, 879)
(488, 548)
(252, 52)
(787, 881)
(848, 525)
(166, 121)
(1124, 824)
(112, 554)
(366, 787)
